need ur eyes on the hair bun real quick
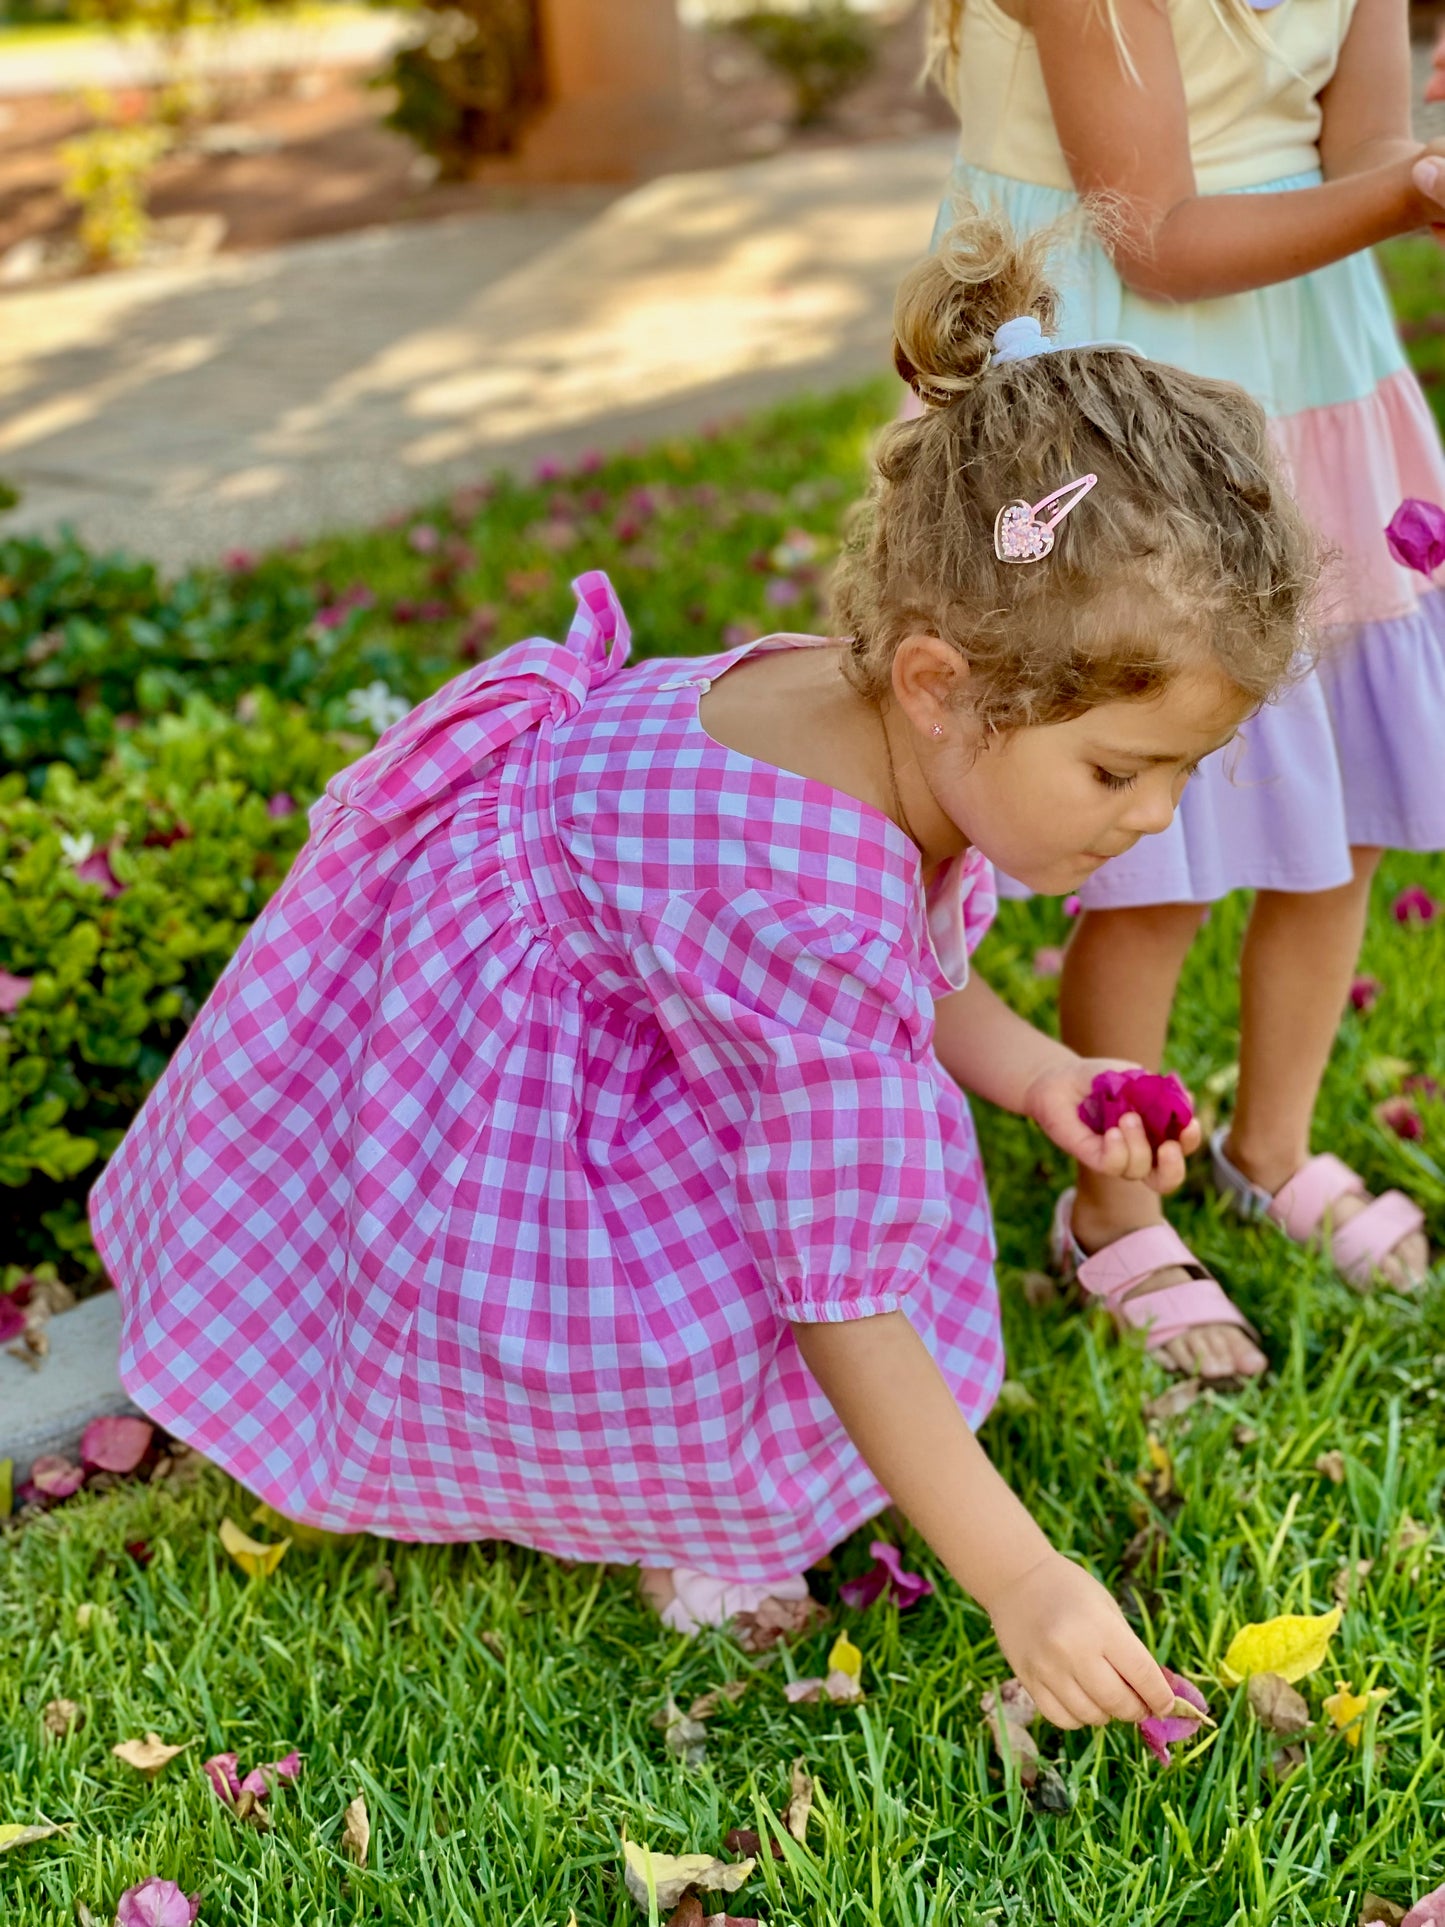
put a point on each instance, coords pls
(982, 278)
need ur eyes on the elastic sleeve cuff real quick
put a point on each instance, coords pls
(802, 1307)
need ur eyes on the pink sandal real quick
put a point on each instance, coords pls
(1113, 1272)
(1302, 1209)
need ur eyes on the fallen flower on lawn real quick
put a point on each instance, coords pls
(1399, 1115)
(116, 1444)
(13, 992)
(1347, 1709)
(54, 1477)
(1365, 994)
(1160, 1102)
(244, 1796)
(156, 1903)
(61, 1718)
(1276, 1705)
(665, 1877)
(12, 1836)
(1293, 1645)
(1048, 960)
(1009, 1711)
(1428, 1911)
(1415, 535)
(356, 1831)
(887, 1575)
(257, 1560)
(149, 1755)
(1189, 1714)
(1414, 905)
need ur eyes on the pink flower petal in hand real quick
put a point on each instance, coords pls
(1160, 1735)
(1160, 1102)
(1415, 535)
(156, 1903)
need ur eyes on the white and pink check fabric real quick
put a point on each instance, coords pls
(576, 1057)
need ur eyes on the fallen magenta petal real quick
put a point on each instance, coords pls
(259, 1779)
(1428, 1911)
(12, 1319)
(56, 1477)
(1414, 905)
(1415, 535)
(1160, 1102)
(860, 1593)
(220, 1770)
(1160, 1735)
(907, 1587)
(1365, 993)
(156, 1903)
(116, 1444)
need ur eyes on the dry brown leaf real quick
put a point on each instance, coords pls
(706, 1704)
(747, 1840)
(1376, 1911)
(61, 1718)
(800, 1803)
(671, 1875)
(1176, 1400)
(687, 1913)
(1009, 1711)
(1410, 1533)
(841, 1688)
(1276, 1704)
(83, 1916)
(356, 1831)
(1245, 1435)
(1289, 1759)
(685, 1738)
(777, 1619)
(1039, 1289)
(1331, 1466)
(149, 1755)
(1348, 1577)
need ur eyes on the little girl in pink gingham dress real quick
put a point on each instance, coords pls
(574, 1152)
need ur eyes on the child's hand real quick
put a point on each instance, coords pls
(1435, 85)
(1053, 1101)
(1070, 1645)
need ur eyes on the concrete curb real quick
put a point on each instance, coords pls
(46, 1411)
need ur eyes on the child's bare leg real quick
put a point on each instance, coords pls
(1121, 970)
(1295, 969)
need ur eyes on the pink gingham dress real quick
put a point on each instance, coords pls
(576, 1058)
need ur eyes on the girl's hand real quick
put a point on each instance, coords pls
(1052, 1101)
(1071, 1646)
(1435, 85)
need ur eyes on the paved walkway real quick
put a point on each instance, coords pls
(184, 411)
(333, 37)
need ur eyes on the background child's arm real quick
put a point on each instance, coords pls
(1126, 138)
(1059, 1629)
(997, 1054)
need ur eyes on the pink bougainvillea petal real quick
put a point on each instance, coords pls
(1160, 1102)
(281, 805)
(220, 1770)
(1415, 535)
(1365, 994)
(1399, 1115)
(860, 1593)
(13, 992)
(259, 1780)
(156, 1903)
(1160, 1735)
(56, 1477)
(1428, 1911)
(1414, 905)
(96, 869)
(116, 1444)
(886, 1575)
(12, 1319)
(1048, 961)
(1073, 906)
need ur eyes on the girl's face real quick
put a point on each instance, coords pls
(1048, 805)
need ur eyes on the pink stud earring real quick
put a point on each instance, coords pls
(938, 729)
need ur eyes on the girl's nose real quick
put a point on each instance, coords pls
(1151, 807)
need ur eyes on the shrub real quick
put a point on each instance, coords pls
(470, 83)
(196, 818)
(823, 53)
(107, 176)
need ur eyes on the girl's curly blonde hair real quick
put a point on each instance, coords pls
(1190, 552)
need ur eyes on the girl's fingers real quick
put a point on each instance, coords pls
(1109, 1689)
(1085, 1709)
(1053, 1709)
(1140, 1671)
(1190, 1138)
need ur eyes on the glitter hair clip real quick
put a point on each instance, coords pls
(1018, 533)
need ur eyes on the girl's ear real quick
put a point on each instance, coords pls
(930, 683)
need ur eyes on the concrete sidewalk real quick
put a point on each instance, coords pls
(187, 410)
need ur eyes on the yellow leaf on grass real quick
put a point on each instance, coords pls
(250, 1555)
(667, 1876)
(845, 1658)
(1346, 1709)
(19, 1836)
(309, 1538)
(1293, 1646)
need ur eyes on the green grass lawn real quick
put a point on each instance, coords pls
(494, 1707)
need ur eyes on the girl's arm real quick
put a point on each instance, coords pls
(1126, 139)
(1059, 1629)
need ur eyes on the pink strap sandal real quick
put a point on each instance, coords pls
(1303, 1208)
(1111, 1274)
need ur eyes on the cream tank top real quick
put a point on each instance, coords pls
(1254, 115)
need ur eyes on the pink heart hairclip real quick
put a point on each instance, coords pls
(1018, 533)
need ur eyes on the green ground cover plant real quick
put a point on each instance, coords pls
(495, 1708)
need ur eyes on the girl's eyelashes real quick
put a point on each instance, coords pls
(1112, 782)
